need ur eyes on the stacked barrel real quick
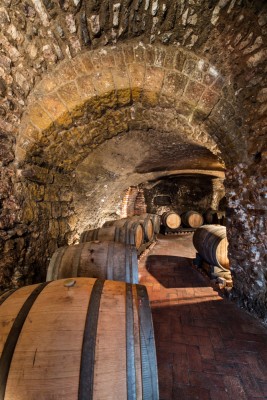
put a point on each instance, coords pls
(172, 221)
(135, 230)
(103, 260)
(87, 332)
(123, 231)
(211, 244)
(109, 252)
(192, 219)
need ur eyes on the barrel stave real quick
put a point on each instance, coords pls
(171, 220)
(156, 222)
(147, 223)
(54, 334)
(131, 231)
(103, 260)
(211, 243)
(106, 233)
(192, 219)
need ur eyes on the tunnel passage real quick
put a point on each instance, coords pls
(38, 35)
(132, 159)
(98, 95)
(110, 119)
(78, 127)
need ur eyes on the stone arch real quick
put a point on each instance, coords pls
(163, 80)
(97, 96)
(39, 35)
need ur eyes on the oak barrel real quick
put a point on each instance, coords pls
(211, 243)
(104, 260)
(171, 220)
(77, 339)
(133, 230)
(156, 222)
(146, 221)
(108, 233)
(111, 233)
(192, 219)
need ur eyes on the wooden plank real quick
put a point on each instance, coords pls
(148, 350)
(6, 295)
(137, 346)
(43, 389)
(53, 271)
(86, 380)
(130, 350)
(9, 310)
(110, 356)
(46, 362)
(13, 336)
(222, 253)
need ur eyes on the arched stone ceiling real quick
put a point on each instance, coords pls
(39, 38)
(230, 34)
(129, 160)
(102, 93)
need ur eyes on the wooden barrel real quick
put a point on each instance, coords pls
(147, 222)
(171, 220)
(107, 233)
(156, 222)
(211, 243)
(133, 230)
(110, 233)
(192, 219)
(104, 260)
(77, 339)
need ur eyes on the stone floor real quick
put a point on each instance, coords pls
(207, 348)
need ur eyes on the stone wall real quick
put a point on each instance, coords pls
(85, 102)
(247, 223)
(201, 64)
(185, 193)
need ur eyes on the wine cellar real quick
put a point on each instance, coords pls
(133, 230)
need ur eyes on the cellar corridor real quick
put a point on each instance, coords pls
(207, 348)
(113, 116)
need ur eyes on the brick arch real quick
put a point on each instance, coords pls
(88, 88)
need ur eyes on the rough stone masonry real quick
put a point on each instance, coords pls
(76, 75)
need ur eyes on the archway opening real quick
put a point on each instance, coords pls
(109, 120)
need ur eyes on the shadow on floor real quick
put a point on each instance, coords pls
(174, 272)
(207, 351)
